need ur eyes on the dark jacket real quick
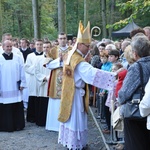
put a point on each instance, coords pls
(132, 79)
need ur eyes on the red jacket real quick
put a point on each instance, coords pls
(121, 76)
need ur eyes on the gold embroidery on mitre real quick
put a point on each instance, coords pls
(84, 35)
(81, 27)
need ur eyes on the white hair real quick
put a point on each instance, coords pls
(110, 47)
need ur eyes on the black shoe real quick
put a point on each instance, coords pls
(111, 142)
(31, 120)
(85, 148)
(19, 129)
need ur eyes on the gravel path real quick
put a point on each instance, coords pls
(37, 138)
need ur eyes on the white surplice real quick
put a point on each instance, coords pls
(52, 122)
(30, 70)
(11, 71)
(40, 73)
(73, 133)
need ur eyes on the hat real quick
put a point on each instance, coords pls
(84, 36)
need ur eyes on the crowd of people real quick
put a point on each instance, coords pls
(53, 82)
(123, 57)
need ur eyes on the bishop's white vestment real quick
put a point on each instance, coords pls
(73, 132)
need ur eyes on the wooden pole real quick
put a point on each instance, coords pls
(94, 97)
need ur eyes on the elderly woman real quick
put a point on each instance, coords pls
(136, 134)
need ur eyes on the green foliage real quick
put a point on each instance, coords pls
(48, 10)
(74, 11)
(18, 20)
(16, 16)
(138, 10)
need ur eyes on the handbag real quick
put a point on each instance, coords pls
(131, 108)
(118, 124)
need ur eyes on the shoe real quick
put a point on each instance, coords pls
(98, 117)
(31, 120)
(106, 131)
(19, 129)
(105, 127)
(85, 148)
(119, 146)
(111, 142)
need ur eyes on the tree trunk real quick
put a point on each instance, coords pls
(36, 23)
(85, 12)
(112, 8)
(19, 20)
(1, 25)
(62, 16)
(103, 13)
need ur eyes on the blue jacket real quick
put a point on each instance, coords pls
(107, 66)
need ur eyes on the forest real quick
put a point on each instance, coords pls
(18, 18)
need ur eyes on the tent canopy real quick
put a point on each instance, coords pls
(125, 32)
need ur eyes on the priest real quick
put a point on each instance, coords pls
(32, 112)
(55, 63)
(42, 75)
(12, 82)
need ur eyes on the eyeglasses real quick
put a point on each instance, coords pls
(86, 45)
